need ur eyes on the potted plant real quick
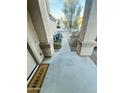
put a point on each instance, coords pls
(57, 40)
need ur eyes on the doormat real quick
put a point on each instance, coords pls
(36, 82)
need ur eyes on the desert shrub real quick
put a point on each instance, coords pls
(73, 39)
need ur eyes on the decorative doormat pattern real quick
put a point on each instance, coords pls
(36, 82)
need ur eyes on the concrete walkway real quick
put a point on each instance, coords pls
(69, 73)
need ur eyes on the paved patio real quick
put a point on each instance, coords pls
(69, 73)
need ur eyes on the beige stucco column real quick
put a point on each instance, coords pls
(86, 42)
(40, 18)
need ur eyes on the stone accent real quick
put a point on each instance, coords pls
(46, 48)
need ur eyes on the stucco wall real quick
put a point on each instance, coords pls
(44, 27)
(52, 30)
(33, 40)
(30, 63)
(45, 17)
(37, 19)
(87, 10)
(91, 30)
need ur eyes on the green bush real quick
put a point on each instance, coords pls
(58, 37)
(57, 40)
(57, 45)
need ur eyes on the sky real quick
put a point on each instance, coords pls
(56, 7)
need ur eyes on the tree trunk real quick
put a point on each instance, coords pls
(70, 28)
(70, 25)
